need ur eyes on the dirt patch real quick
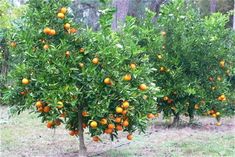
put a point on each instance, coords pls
(25, 136)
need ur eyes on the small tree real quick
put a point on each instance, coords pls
(196, 60)
(83, 79)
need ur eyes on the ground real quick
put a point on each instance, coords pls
(25, 136)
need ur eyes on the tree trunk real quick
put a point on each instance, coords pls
(176, 120)
(82, 147)
(191, 114)
(234, 16)
(121, 12)
(213, 4)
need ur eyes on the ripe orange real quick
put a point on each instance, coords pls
(40, 109)
(169, 101)
(60, 15)
(84, 113)
(108, 131)
(165, 98)
(217, 113)
(50, 124)
(45, 47)
(96, 138)
(163, 33)
(118, 119)
(103, 121)
(127, 77)
(95, 60)
(143, 87)
(13, 44)
(60, 105)
(213, 115)
(159, 56)
(133, 66)
(84, 125)
(125, 123)
(129, 137)
(46, 109)
(72, 30)
(125, 104)
(93, 124)
(22, 93)
(52, 32)
(39, 104)
(119, 127)
(119, 109)
(46, 30)
(218, 124)
(211, 79)
(67, 54)
(25, 81)
(111, 126)
(72, 132)
(107, 81)
(196, 106)
(82, 50)
(162, 69)
(76, 132)
(150, 115)
(67, 26)
(124, 112)
(63, 10)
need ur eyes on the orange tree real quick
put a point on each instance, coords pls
(82, 79)
(195, 62)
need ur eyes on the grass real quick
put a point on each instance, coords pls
(24, 135)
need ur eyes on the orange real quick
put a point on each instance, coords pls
(119, 109)
(45, 47)
(169, 101)
(118, 119)
(163, 33)
(72, 30)
(63, 10)
(111, 126)
(165, 98)
(129, 137)
(46, 30)
(72, 132)
(150, 116)
(222, 63)
(40, 109)
(119, 127)
(39, 104)
(107, 81)
(124, 112)
(22, 93)
(125, 123)
(127, 77)
(162, 69)
(50, 124)
(82, 50)
(103, 121)
(108, 131)
(60, 15)
(133, 66)
(196, 106)
(84, 125)
(211, 79)
(46, 109)
(52, 32)
(13, 44)
(217, 113)
(76, 132)
(213, 115)
(95, 60)
(25, 81)
(67, 26)
(84, 113)
(125, 104)
(67, 53)
(60, 105)
(143, 87)
(81, 65)
(218, 124)
(93, 124)
(96, 138)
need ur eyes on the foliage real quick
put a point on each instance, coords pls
(198, 56)
(67, 72)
